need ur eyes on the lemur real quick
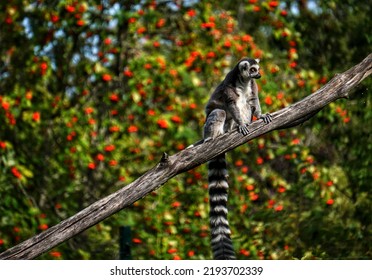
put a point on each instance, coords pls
(232, 104)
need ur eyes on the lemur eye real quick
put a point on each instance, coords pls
(245, 67)
(252, 70)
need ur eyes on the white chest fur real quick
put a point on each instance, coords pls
(242, 103)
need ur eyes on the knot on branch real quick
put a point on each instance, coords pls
(164, 161)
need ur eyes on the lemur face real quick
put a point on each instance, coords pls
(249, 69)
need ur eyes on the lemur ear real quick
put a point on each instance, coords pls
(257, 60)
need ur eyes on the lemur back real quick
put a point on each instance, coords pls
(232, 104)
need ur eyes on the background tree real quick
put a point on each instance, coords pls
(93, 92)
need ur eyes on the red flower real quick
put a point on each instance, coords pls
(279, 208)
(191, 253)
(259, 160)
(208, 25)
(109, 148)
(132, 128)
(8, 20)
(253, 196)
(310, 159)
(136, 240)
(70, 8)
(176, 119)
(106, 77)
(256, 8)
(268, 100)
(293, 64)
(172, 250)
(160, 23)
(43, 227)
(5, 105)
(141, 30)
(323, 80)
(273, 4)
(55, 254)
(16, 173)
(114, 128)
(280, 95)
(100, 157)
(36, 116)
(227, 43)
(114, 97)
(80, 22)
(329, 183)
(162, 123)
(107, 41)
(271, 203)
(89, 110)
(301, 83)
(1, 242)
(211, 54)
(180, 146)
(132, 20)
(113, 162)
(274, 69)
(176, 204)
(54, 18)
(128, 73)
(193, 106)
(191, 13)
(247, 38)
(43, 68)
(28, 95)
(244, 252)
(239, 162)
(330, 201)
(296, 141)
(92, 165)
(2, 145)
(283, 13)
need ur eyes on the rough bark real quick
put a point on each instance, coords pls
(170, 166)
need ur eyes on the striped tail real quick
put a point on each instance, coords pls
(222, 247)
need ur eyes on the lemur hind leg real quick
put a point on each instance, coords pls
(214, 125)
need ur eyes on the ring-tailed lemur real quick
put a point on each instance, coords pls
(233, 104)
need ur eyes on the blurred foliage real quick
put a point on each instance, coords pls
(92, 92)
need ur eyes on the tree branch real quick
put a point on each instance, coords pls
(170, 166)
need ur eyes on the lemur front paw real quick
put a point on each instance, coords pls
(267, 118)
(243, 129)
